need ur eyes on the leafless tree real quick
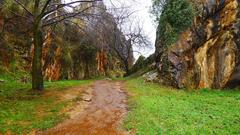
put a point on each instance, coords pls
(122, 34)
(45, 13)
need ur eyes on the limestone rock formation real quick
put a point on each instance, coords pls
(151, 76)
(207, 54)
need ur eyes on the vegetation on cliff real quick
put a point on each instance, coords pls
(204, 50)
(172, 17)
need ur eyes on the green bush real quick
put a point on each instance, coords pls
(139, 64)
(142, 65)
(173, 17)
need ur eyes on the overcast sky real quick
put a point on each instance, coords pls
(142, 7)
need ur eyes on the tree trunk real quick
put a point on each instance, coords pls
(86, 74)
(37, 77)
(126, 69)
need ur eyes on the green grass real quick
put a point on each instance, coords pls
(156, 110)
(23, 110)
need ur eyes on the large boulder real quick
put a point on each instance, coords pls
(207, 54)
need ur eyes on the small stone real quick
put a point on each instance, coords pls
(108, 79)
(87, 98)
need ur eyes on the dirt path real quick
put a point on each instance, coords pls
(102, 116)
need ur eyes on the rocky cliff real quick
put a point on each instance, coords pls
(207, 54)
(72, 49)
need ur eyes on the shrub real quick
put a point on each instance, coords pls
(173, 17)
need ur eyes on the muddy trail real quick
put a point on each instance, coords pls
(102, 115)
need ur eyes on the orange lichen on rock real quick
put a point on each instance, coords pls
(206, 54)
(229, 14)
(52, 71)
(102, 61)
(1, 21)
(216, 58)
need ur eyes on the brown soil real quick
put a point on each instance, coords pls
(101, 116)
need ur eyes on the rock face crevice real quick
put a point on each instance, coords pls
(207, 54)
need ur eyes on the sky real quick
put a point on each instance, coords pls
(141, 10)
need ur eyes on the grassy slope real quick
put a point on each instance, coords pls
(161, 110)
(22, 110)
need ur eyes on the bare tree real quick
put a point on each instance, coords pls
(128, 34)
(45, 13)
(118, 32)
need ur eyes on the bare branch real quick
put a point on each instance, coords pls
(16, 14)
(60, 18)
(59, 6)
(24, 7)
(45, 7)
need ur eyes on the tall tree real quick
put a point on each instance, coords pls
(44, 13)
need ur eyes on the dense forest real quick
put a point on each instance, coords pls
(70, 67)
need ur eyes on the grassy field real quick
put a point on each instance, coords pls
(23, 110)
(156, 110)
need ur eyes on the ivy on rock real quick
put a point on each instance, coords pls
(173, 17)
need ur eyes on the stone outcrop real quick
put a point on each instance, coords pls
(207, 54)
(151, 76)
(52, 55)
